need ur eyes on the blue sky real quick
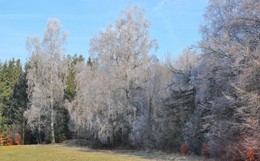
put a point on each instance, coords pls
(174, 23)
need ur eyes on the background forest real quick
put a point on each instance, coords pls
(207, 100)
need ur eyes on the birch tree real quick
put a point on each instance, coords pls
(107, 89)
(122, 52)
(46, 77)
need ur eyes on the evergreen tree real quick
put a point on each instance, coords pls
(19, 104)
(3, 94)
(70, 90)
(12, 97)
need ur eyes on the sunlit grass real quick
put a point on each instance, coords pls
(58, 153)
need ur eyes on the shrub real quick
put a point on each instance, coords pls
(17, 139)
(1, 139)
(9, 140)
(185, 149)
(205, 151)
(251, 155)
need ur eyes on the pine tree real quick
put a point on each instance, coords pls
(70, 90)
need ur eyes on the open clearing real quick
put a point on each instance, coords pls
(63, 153)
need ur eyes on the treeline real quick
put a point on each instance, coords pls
(13, 99)
(206, 102)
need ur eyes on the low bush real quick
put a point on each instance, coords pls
(185, 149)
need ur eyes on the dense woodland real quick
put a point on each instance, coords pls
(206, 101)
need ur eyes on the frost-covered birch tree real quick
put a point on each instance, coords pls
(122, 52)
(46, 78)
(112, 92)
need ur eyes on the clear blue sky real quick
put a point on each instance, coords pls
(174, 23)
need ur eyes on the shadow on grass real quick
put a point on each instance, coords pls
(147, 155)
(159, 156)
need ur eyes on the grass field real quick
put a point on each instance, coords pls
(63, 153)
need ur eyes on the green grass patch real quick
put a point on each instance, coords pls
(59, 153)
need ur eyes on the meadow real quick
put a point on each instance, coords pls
(64, 153)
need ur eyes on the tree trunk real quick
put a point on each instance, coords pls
(52, 128)
(23, 131)
(39, 130)
(52, 121)
(52, 110)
